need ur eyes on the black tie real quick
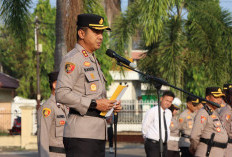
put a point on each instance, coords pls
(166, 131)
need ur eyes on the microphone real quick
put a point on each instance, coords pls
(113, 54)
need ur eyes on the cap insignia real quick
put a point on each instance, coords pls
(101, 21)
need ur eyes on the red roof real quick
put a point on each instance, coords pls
(136, 55)
(7, 81)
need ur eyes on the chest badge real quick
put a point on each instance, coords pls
(203, 119)
(69, 67)
(218, 129)
(93, 87)
(87, 64)
(227, 117)
(62, 122)
(172, 124)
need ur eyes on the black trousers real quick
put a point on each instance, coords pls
(153, 149)
(171, 153)
(185, 152)
(110, 135)
(82, 147)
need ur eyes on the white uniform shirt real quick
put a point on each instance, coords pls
(150, 124)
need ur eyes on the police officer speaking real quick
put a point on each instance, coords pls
(81, 86)
(51, 120)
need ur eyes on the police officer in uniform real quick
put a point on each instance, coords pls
(225, 116)
(81, 86)
(186, 121)
(51, 121)
(173, 149)
(209, 137)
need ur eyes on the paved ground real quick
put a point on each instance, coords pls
(124, 150)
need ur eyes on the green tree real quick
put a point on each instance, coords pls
(22, 63)
(186, 41)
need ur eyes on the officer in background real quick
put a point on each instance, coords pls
(51, 121)
(186, 121)
(225, 116)
(208, 137)
(173, 148)
(81, 86)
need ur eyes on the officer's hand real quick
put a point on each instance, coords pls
(118, 107)
(105, 104)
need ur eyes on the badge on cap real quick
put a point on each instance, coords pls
(93, 87)
(87, 64)
(101, 21)
(62, 122)
(203, 119)
(46, 112)
(69, 67)
(85, 53)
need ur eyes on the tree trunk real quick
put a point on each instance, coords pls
(60, 47)
(112, 9)
(66, 19)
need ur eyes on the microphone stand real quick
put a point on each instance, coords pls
(158, 83)
(115, 133)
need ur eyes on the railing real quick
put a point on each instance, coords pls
(133, 111)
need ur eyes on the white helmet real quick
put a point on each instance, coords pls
(176, 102)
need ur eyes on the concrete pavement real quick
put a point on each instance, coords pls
(124, 150)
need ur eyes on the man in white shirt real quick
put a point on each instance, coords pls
(150, 126)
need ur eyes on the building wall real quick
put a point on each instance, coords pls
(5, 116)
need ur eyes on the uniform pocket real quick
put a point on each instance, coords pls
(60, 122)
(92, 84)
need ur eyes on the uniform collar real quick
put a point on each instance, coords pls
(81, 49)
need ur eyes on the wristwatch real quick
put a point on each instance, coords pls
(93, 104)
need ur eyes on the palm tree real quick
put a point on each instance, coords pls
(186, 41)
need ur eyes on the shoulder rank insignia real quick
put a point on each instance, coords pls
(203, 119)
(62, 122)
(87, 64)
(85, 53)
(213, 116)
(46, 112)
(69, 67)
(93, 87)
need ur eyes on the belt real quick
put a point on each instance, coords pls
(153, 141)
(90, 112)
(229, 140)
(185, 136)
(215, 144)
(56, 149)
(173, 138)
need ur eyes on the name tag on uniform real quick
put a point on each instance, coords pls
(60, 116)
(89, 69)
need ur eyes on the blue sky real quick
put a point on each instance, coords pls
(226, 4)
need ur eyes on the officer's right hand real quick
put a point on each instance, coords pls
(105, 104)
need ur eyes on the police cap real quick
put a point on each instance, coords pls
(53, 76)
(92, 21)
(215, 91)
